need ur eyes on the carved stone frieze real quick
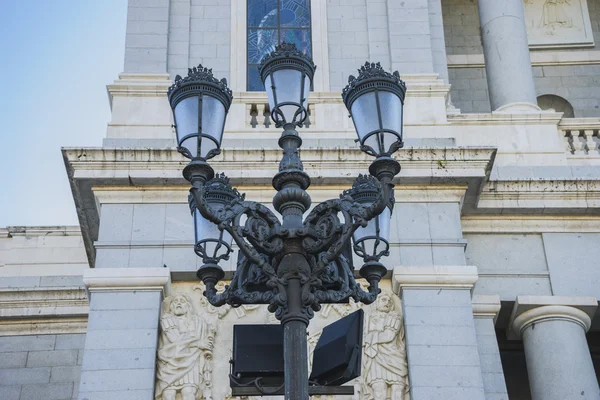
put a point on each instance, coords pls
(196, 343)
(558, 23)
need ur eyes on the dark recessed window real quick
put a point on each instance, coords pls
(271, 22)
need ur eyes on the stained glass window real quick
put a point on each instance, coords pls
(271, 22)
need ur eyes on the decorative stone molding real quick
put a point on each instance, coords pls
(486, 306)
(43, 311)
(535, 309)
(486, 224)
(141, 169)
(518, 108)
(538, 59)
(434, 277)
(140, 279)
(139, 85)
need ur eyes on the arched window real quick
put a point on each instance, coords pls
(556, 103)
(271, 22)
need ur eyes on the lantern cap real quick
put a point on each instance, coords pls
(372, 76)
(202, 79)
(286, 56)
(217, 190)
(366, 189)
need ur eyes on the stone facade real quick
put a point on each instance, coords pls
(571, 73)
(493, 285)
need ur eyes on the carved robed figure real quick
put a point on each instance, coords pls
(185, 355)
(385, 353)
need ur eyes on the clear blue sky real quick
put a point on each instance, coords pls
(56, 58)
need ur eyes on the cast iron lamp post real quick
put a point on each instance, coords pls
(293, 265)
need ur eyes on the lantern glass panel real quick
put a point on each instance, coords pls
(288, 85)
(186, 118)
(213, 120)
(364, 114)
(214, 242)
(391, 111)
(367, 236)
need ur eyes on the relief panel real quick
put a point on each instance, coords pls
(196, 341)
(558, 23)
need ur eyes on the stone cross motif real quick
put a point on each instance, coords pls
(184, 361)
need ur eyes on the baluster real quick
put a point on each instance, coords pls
(260, 115)
(591, 143)
(581, 145)
(568, 138)
(250, 115)
(267, 115)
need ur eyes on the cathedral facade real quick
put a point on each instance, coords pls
(493, 273)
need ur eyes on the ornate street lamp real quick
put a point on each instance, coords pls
(293, 265)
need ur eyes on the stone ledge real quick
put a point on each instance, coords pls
(529, 309)
(140, 279)
(486, 306)
(434, 277)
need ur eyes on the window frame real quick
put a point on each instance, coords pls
(278, 28)
(238, 51)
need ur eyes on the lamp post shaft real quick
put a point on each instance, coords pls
(295, 355)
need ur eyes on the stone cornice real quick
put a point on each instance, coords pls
(534, 309)
(12, 231)
(538, 59)
(434, 277)
(552, 196)
(487, 224)
(139, 279)
(139, 85)
(506, 118)
(466, 167)
(43, 310)
(486, 306)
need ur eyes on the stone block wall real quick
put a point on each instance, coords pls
(348, 39)
(171, 35)
(44, 367)
(578, 84)
(146, 36)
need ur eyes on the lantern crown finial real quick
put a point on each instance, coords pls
(200, 74)
(372, 71)
(287, 50)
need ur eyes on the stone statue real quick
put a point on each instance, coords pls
(384, 358)
(554, 14)
(186, 350)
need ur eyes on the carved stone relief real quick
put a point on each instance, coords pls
(196, 341)
(558, 23)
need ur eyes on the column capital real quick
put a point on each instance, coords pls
(129, 279)
(434, 277)
(486, 306)
(534, 309)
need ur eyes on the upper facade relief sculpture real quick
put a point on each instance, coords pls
(558, 23)
(196, 343)
(184, 362)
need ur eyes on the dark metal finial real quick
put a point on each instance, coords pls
(372, 73)
(200, 75)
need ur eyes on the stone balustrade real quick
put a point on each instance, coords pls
(258, 116)
(581, 136)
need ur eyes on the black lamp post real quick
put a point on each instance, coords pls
(293, 265)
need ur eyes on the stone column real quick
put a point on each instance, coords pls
(506, 52)
(441, 342)
(558, 358)
(120, 347)
(485, 311)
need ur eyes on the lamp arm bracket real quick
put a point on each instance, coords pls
(257, 229)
